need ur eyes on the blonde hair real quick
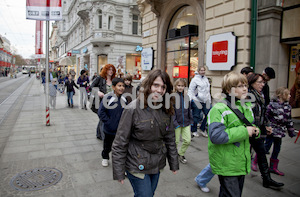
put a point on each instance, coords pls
(199, 68)
(281, 91)
(178, 81)
(231, 80)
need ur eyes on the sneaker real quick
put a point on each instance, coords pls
(204, 134)
(195, 134)
(205, 189)
(182, 159)
(104, 162)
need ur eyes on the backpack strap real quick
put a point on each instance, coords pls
(238, 113)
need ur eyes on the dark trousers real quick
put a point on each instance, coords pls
(107, 143)
(205, 110)
(259, 147)
(100, 133)
(197, 116)
(231, 186)
(276, 147)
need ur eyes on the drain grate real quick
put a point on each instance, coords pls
(36, 179)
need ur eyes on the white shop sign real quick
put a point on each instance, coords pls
(221, 51)
(147, 58)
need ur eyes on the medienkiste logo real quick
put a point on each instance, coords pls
(220, 52)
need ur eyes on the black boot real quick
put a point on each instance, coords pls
(69, 103)
(267, 181)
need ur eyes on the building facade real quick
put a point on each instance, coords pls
(266, 34)
(7, 60)
(95, 33)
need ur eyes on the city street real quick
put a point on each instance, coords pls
(70, 145)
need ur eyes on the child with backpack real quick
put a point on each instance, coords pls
(182, 119)
(228, 145)
(279, 114)
(110, 112)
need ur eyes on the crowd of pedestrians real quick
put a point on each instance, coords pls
(146, 131)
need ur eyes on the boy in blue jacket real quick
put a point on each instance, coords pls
(110, 112)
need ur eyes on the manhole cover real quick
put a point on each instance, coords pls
(36, 179)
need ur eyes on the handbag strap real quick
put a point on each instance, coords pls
(238, 113)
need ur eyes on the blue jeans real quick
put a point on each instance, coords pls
(70, 97)
(143, 187)
(204, 176)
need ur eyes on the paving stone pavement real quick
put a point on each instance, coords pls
(70, 145)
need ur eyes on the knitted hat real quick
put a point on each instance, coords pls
(270, 72)
(82, 72)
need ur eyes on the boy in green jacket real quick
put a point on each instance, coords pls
(228, 145)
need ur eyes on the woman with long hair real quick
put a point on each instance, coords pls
(104, 83)
(256, 83)
(145, 137)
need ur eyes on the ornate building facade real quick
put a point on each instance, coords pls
(94, 33)
(266, 32)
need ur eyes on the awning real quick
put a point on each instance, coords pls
(65, 61)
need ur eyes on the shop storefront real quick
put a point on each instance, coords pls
(133, 65)
(102, 60)
(290, 35)
(182, 44)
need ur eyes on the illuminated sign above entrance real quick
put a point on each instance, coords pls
(221, 51)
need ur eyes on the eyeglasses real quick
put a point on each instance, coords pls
(260, 82)
(242, 86)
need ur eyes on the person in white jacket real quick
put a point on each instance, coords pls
(199, 92)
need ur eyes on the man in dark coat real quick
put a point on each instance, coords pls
(268, 74)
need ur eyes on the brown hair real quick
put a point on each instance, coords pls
(128, 77)
(104, 70)
(148, 82)
(231, 80)
(252, 78)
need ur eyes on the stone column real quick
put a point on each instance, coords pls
(93, 64)
(269, 50)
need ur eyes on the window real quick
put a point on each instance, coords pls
(135, 20)
(100, 19)
(182, 52)
(110, 22)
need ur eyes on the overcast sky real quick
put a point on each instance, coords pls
(14, 26)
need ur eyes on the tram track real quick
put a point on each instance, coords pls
(10, 95)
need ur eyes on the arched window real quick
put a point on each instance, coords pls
(182, 44)
(100, 19)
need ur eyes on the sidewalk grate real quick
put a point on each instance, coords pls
(36, 179)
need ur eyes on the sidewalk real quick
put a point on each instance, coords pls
(70, 145)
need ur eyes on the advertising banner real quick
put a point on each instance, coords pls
(39, 37)
(43, 10)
